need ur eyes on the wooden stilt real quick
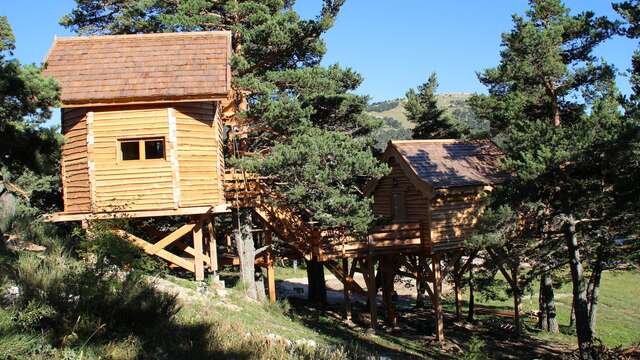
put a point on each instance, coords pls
(213, 247)
(198, 248)
(387, 268)
(456, 286)
(371, 291)
(437, 305)
(347, 288)
(271, 274)
(420, 281)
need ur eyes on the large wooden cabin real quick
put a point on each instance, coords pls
(141, 116)
(436, 186)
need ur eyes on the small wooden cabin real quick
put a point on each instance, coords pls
(141, 116)
(438, 184)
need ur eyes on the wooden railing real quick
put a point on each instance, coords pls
(245, 190)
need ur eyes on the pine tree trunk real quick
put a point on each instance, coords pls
(472, 299)
(572, 315)
(580, 303)
(516, 299)
(246, 252)
(595, 293)
(548, 305)
(542, 305)
(317, 286)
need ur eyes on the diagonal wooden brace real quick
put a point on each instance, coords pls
(172, 258)
(171, 238)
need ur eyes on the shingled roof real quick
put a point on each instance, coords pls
(452, 163)
(140, 68)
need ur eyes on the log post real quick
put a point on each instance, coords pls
(371, 292)
(271, 274)
(437, 305)
(347, 288)
(387, 270)
(198, 251)
(420, 281)
(456, 285)
(213, 247)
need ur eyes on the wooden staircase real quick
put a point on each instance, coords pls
(324, 244)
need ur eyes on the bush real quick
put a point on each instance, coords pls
(475, 351)
(73, 301)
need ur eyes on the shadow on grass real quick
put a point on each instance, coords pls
(416, 328)
(326, 320)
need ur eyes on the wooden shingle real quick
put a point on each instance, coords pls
(111, 69)
(452, 163)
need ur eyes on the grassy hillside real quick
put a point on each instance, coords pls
(454, 103)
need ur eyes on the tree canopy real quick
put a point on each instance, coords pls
(431, 121)
(29, 154)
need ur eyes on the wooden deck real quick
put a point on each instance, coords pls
(324, 244)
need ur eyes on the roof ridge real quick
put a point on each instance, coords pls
(149, 35)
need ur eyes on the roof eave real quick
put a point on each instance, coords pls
(141, 101)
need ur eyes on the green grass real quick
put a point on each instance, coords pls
(618, 321)
(287, 272)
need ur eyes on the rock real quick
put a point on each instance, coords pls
(10, 294)
(15, 244)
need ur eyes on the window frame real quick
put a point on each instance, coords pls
(141, 149)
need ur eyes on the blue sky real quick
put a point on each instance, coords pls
(393, 44)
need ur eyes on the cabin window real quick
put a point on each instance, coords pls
(154, 149)
(398, 206)
(142, 149)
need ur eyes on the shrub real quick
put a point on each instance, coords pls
(475, 351)
(80, 300)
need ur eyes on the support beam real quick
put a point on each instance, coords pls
(437, 305)
(174, 236)
(198, 248)
(269, 262)
(213, 246)
(172, 258)
(456, 286)
(388, 266)
(348, 279)
(420, 281)
(371, 291)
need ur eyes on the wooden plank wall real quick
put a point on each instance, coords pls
(130, 185)
(396, 180)
(199, 133)
(75, 168)
(417, 205)
(454, 215)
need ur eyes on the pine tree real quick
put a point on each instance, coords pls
(431, 121)
(630, 12)
(546, 62)
(29, 154)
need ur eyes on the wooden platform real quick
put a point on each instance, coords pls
(198, 210)
(325, 244)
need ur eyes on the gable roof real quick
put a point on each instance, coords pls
(141, 68)
(445, 164)
(452, 163)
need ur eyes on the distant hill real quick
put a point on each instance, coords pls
(454, 103)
